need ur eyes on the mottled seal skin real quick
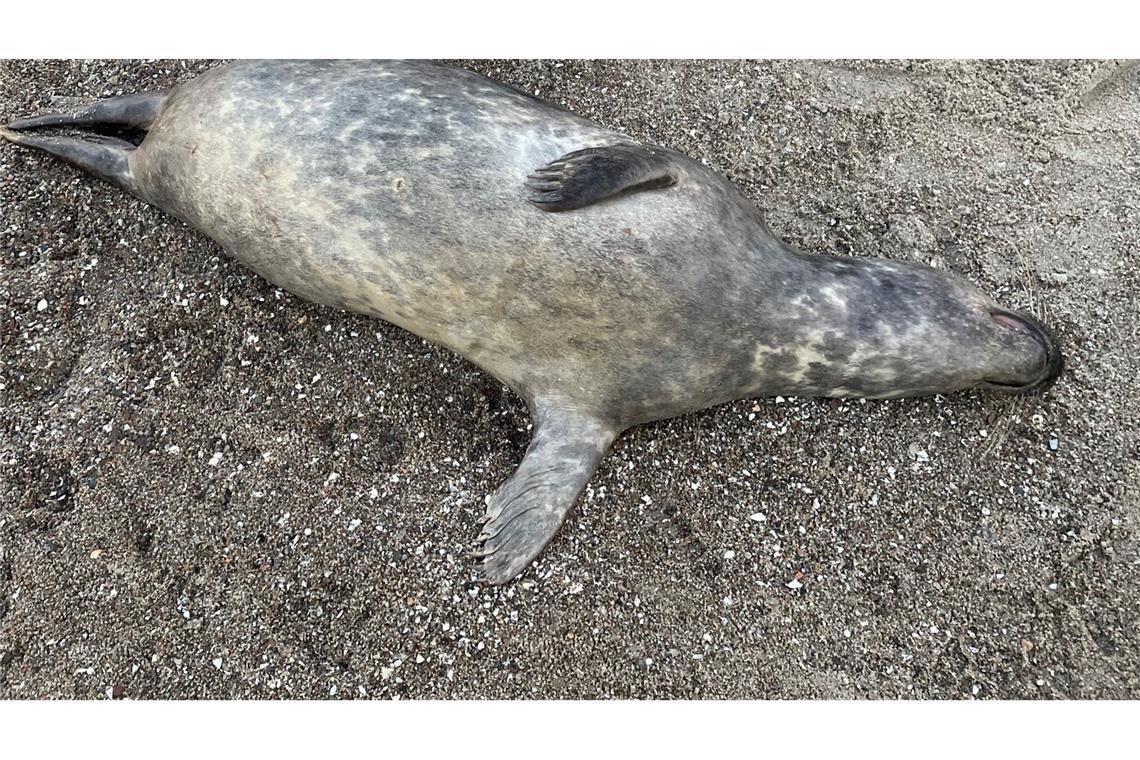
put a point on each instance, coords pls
(606, 281)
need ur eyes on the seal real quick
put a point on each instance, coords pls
(607, 281)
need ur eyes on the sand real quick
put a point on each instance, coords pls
(213, 489)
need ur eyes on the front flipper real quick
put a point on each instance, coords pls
(526, 510)
(593, 174)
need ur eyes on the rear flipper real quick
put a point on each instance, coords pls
(105, 157)
(129, 111)
(526, 511)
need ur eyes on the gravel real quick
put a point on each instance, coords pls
(213, 489)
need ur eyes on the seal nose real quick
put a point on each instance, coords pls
(1053, 362)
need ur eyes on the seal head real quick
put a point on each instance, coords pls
(882, 329)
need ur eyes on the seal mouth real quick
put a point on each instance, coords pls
(1052, 363)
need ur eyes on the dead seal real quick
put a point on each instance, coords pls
(607, 281)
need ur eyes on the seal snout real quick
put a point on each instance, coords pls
(1048, 367)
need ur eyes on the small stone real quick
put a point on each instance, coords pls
(217, 663)
(794, 584)
(729, 554)
(1054, 443)
(43, 304)
(1026, 646)
(118, 691)
(214, 460)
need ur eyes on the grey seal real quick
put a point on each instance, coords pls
(607, 281)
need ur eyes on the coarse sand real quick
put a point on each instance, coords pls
(213, 489)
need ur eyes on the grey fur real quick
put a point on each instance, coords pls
(400, 190)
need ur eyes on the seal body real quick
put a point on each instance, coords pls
(606, 281)
(397, 190)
